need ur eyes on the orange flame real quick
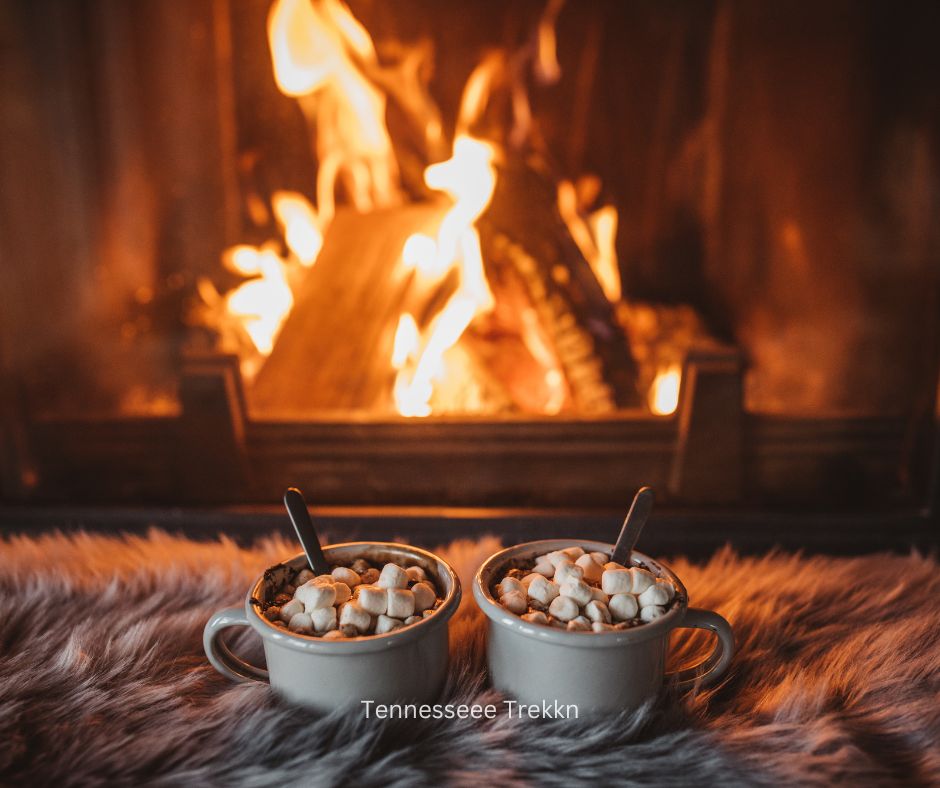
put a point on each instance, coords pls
(263, 303)
(469, 178)
(299, 223)
(596, 237)
(664, 393)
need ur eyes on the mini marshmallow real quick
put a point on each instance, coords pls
(315, 596)
(301, 624)
(372, 599)
(564, 608)
(536, 617)
(613, 565)
(508, 584)
(401, 603)
(592, 570)
(598, 595)
(544, 567)
(514, 602)
(554, 558)
(527, 580)
(392, 576)
(343, 575)
(597, 611)
(355, 616)
(597, 626)
(652, 612)
(543, 590)
(334, 634)
(425, 596)
(574, 552)
(416, 574)
(323, 580)
(623, 607)
(413, 620)
(600, 558)
(668, 587)
(386, 624)
(579, 624)
(654, 595)
(578, 590)
(616, 581)
(323, 618)
(343, 592)
(303, 576)
(291, 609)
(359, 566)
(566, 570)
(642, 579)
(369, 577)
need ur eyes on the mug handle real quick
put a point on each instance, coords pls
(710, 669)
(220, 655)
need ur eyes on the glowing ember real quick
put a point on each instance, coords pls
(664, 393)
(298, 221)
(469, 178)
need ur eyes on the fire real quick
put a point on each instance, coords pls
(596, 237)
(469, 178)
(300, 225)
(262, 303)
(664, 393)
(407, 341)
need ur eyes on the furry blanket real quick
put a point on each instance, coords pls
(103, 680)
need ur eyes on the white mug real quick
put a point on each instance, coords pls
(407, 664)
(594, 671)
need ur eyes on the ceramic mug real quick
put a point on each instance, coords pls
(595, 671)
(407, 664)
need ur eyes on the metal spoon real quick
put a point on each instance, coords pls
(306, 533)
(632, 525)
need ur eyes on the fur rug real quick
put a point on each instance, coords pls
(103, 681)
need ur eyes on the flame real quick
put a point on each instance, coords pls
(469, 178)
(407, 341)
(299, 223)
(263, 303)
(595, 236)
(664, 393)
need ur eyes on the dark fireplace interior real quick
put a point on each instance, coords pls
(517, 257)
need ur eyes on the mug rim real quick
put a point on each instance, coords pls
(361, 644)
(500, 616)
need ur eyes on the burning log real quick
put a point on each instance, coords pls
(523, 228)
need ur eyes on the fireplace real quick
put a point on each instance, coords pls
(527, 254)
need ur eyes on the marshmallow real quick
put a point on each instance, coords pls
(323, 580)
(369, 577)
(535, 617)
(355, 617)
(401, 603)
(669, 588)
(303, 576)
(642, 579)
(544, 567)
(597, 626)
(651, 612)
(323, 619)
(314, 596)
(598, 595)
(592, 570)
(542, 590)
(578, 590)
(372, 599)
(343, 592)
(425, 596)
(597, 611)
(416, 574)
(291, 609)
(343, 575)
(616, 581)
(385, 624)
(574, 552)
(413, 620)
(508, 584)
(613, 565)
(579, 624)
(654, 595)
(334, 634)
(527, 580)
(393, 576)
(564, 608)
(554, 558)
(623, 607)
(301, 624)
(514, 602)
(565, 570)
(600, 558)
